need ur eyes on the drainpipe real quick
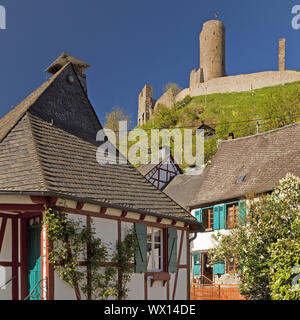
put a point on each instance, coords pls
(193, 238)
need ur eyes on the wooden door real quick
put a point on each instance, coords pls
(34, 262)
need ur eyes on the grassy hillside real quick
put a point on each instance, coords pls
(271, 108)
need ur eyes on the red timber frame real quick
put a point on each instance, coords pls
(172, 172)
(23, 212)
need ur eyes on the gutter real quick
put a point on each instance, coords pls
(100, 203)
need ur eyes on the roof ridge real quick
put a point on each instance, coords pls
(25, 105)
(263, 133)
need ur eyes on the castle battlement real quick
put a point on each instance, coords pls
(211, 77)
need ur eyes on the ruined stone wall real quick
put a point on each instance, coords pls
(239, 83)
(146, 105)
(168, 99)
(281, 55)
(196, 77)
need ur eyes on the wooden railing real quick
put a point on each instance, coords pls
(215, 292)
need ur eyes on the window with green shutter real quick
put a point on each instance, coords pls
(242, 213)
(198, 215)
(219, 268)
(216, 217)
(172, 250)
(140, 255)
(222, 213)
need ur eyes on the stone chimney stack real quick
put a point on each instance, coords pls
(79, 66)
(281, 55)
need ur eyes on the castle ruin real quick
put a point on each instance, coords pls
(211, 76)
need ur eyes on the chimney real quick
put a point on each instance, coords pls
(230, 136)
(281, 54)
(79, 66)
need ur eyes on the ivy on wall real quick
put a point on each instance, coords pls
(83, 261)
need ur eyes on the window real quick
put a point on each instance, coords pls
(232, 216)
(208, 219)
(154, 249)
(231, 267)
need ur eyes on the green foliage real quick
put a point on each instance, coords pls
(272, 220)
(165, 117)
(277, 106)
(285, 255)
(124, 257)
(71, 241)
(112, 119)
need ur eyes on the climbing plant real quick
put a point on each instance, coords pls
(104, 274)
(124, 258)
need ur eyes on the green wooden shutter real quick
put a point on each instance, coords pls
(242, 213)
(198, 215)
(172, 250)
(141, 254)
(219, 268)
(196, 266)
(216, 217)
(222, 212)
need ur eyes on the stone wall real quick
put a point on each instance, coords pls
(196, 77)
(281, 55)
(168, 99)
(146, 105)
(240, 83)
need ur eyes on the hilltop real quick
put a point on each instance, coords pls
(243, 113)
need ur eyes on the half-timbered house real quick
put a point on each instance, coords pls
(218, 197)
(48, 158)
(161, 174)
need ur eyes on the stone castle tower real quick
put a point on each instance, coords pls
(212, 53)
(211, 76)
(212, 50)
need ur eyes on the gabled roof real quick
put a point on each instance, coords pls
(48, 145)
(182, 188)
(144, 169)
(253, 164)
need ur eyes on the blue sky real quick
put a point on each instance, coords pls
(133, 42)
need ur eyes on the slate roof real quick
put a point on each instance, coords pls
(144, 169)
(182, 188)
(48, 145)
(263, 159)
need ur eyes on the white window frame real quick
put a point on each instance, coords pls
(153, 229)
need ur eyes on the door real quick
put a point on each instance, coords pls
(34, 261)
(206, 269)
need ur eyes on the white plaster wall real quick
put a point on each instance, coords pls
(181, 291)
(204, 240)
(107, 230)
(5, 292)
(157, 291)
(5, 254)
(62, 291)
(136, 287)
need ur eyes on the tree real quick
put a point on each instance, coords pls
(271, 226)
(113, 118)
(173, 89)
